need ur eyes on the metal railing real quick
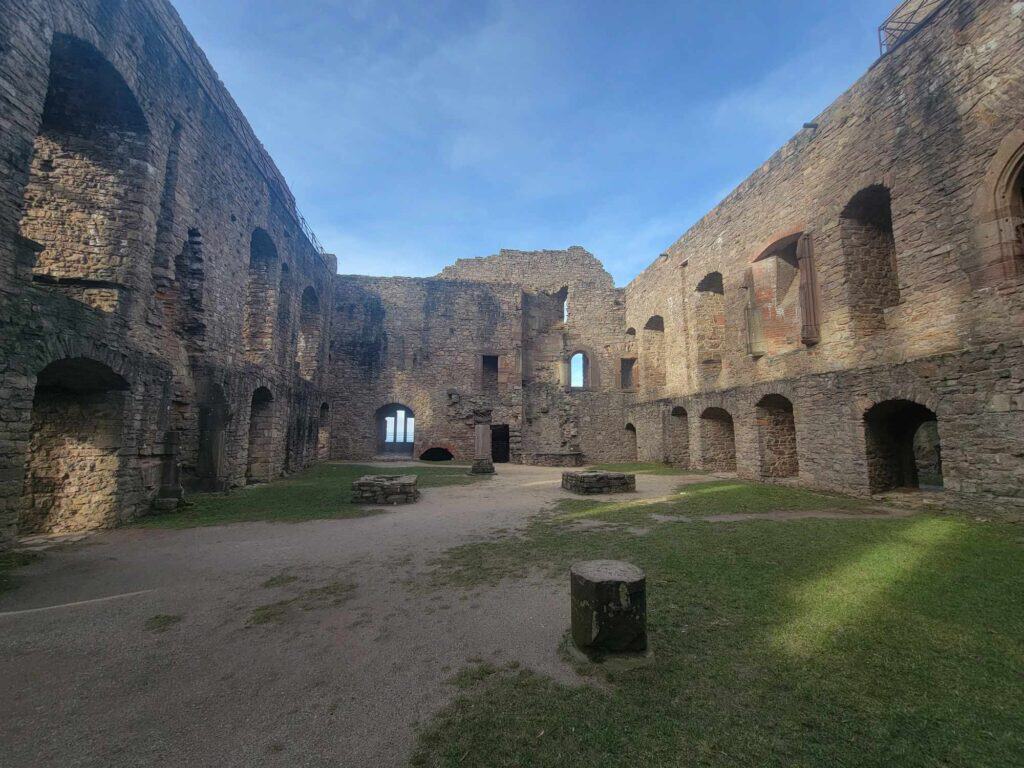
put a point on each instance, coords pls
(904, 21)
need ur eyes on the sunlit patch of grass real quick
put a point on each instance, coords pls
(869, 643)
(321, 492)
(842, 597)
(643, 468)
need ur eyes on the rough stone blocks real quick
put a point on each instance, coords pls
(594, 483)
(385, 489)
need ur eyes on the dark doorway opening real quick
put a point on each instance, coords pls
(500, 451)
(903, 450)
(436, 454)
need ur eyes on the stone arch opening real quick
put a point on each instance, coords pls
(678, 434)
(709, 319)
(261, 437)
(903, 448)
(259, 295)
(869, 248)
(396, 430)
(652, 352)
(718, 440)
(776, 432)
(74, 462)
(579, 371)
(214, 416)
(88, 179)
(437, 454)
(310, 329)
(631, 443)
(323, 437)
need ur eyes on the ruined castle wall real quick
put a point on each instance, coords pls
(131, 191)
(562, 425)
(929, 123)
(420, 343)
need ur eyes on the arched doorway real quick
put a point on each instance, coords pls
(631, 447)
(74, 458)
(652, 353)
(903, 449)
(678, 438)
(310, 322)
(213, 420)
(261, 437)
(323, 439)
(776, 435)
(718, 440)
(436, 454)
(396, 430)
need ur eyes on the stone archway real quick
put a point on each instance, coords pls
(261, 437)
(776, 437)
(718, 440)
(903, 448)
(677, 434)
(74, 463)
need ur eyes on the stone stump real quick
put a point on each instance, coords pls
(385, 489)
(609, 607)
(593, 482)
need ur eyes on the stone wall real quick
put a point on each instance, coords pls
(131, 192)
(907, 190)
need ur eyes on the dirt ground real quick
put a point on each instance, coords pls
(311, 644)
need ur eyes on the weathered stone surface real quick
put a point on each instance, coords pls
(385, 489)
(609, 607)
(850, 318)
(592, 482)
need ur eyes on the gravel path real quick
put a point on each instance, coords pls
(332, 664)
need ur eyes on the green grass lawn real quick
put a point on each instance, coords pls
(871, 642)
(323, 491)
(643, 468)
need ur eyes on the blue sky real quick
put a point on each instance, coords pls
(416, 132)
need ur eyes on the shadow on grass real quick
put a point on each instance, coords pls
(879, 642)
(321, 492)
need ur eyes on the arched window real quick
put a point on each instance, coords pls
(260, 298)
(998, 213)
(869, 248)
(310, 326)
(652, 352)
(709, 321)
(773, 299)
(396, 430)
(579, 371)
(84, 201)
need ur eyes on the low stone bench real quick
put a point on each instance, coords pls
(591, 483)
(385, 489)
(609, 607)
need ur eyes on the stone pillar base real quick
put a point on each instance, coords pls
(482, 467)
(609, 607)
